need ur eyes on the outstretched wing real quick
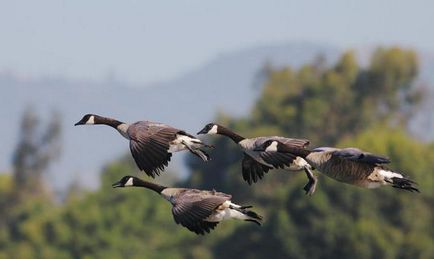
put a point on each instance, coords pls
(295, 142)
(281, 159)
(149, 144)
(191, 210)
(358, 155)
(278, 160)
(253, 170)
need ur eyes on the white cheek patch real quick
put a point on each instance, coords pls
(213, 130)
(272, 147)
(129, 182)
(91, 120)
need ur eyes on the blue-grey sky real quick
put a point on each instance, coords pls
(146, 41)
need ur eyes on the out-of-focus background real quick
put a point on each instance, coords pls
(340, 73)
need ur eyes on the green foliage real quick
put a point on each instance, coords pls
(344, 105)
(34, 153)
(345, 97)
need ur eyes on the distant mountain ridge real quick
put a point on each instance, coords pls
(224, 84)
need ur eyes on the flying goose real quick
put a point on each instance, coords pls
(348, 165)
(256, 163)
(199, 211)
(151, 143)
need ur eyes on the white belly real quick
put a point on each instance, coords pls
(299, 164)
(226, 214)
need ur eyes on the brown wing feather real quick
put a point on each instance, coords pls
(281, 159)
(252, 170)
(277, 159)
(295, 142)
(358, 155)
(191, 209)
(149, 143)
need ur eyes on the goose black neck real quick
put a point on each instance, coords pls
(228, 133)
(152, 186)
(107, 121)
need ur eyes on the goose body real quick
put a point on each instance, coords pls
(198, 210)
(151, 143)
(349, 165)
(256, 163)
(271, 160)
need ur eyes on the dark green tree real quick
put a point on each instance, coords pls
(34, 153)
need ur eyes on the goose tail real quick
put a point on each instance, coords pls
(405, 184)
(400, 181)
(249, 215)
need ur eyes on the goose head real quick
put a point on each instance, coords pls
(210, 128)
(88, 119)
(126, 181)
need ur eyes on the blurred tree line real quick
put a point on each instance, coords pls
(341, 105)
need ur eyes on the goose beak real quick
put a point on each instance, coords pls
(202, 131)
(82, 121)
(117, 184)
(79, 123)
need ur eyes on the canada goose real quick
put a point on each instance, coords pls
(256, 163)
(199, 211)
(348, 165)
(151, 143)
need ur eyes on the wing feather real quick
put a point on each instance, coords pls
(253, 170)
(358, 155)
(277, 159)
(149, 145)
(191, 209)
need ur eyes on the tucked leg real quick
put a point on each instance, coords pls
(198, 152)
(311, 185)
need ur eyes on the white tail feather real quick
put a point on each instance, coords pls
(226, 214)
(181, 141)
(390, 174)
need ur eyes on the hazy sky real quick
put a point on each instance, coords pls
(145, 41)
